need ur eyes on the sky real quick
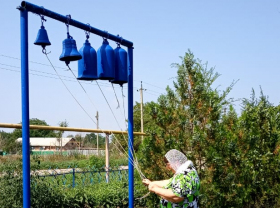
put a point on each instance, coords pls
(241, 39)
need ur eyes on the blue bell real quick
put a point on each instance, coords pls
(120, 66)
(87, 66)
(105, 62)
(69, 52)
(42, 38)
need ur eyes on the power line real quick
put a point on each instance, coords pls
(34, 62)
(39, 75)
(72, 79)
(150, 84)
(103, 84)
(11, 57)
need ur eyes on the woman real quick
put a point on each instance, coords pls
(182, 189)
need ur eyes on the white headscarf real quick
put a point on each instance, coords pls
(175, 158)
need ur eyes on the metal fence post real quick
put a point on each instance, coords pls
(73, 184)
(107, 157)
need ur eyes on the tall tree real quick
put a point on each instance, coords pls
(10, 144)
(59, 134)
(90, 140)
(35, 132)
(187, 116)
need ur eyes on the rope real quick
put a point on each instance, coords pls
(125, 119)
(130, 159)
(133, 160)
(116, 96)
(82, 87)
(147, 194)
(69, 90)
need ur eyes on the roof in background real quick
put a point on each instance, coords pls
(42, 141)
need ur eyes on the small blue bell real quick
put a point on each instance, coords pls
(69, 52)
(105, 62)
(42, 38)
(87, 66)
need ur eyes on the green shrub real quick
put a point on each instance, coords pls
(46, 194)
(97, 161)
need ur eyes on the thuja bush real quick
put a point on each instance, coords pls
(236, 156)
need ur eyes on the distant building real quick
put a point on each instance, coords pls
(51, 144)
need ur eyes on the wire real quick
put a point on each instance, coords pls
(103, 84)
(11, 57)
(108, 104)
(133, 159)
(150, 84)
(69, 90)
(131, 149)
(30, 61)
(51, 77)
(82, 88)
(135, 162)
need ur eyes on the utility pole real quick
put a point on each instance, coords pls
(141, 107)
(97, 126)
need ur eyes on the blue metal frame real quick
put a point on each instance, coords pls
(24, 9)
(130, 126)
(25, 108)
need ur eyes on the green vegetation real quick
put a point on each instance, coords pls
(8, 140)
(61, 162)
(45, 192)
(237, 156)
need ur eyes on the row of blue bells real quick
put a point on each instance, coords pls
(106, 64)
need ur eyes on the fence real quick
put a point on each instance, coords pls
(69, 152)
(85, 152)
(73, 177)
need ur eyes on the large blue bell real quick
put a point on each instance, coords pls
(105, 62)
(69, 52)
(120, 66)
(87, 66)
(42, 38)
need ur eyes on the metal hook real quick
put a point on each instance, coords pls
(44, 51)
(87, 32)
(118, 44)
(67, 23)
(42, 16)
(42, 19)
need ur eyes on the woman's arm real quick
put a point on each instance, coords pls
(160, 184)
(165, 193)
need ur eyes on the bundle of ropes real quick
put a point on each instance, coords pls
(132, 159)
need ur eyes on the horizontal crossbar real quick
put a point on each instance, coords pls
(43, 11)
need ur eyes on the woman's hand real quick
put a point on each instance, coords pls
(146, 182)
(152, 187)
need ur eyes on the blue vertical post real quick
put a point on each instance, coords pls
(130, 128)
(25, 108)
(73, 179)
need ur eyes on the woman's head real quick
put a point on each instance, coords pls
(174, 159)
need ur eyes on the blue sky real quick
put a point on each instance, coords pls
(241, 39)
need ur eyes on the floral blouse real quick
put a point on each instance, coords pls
(186, 184)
